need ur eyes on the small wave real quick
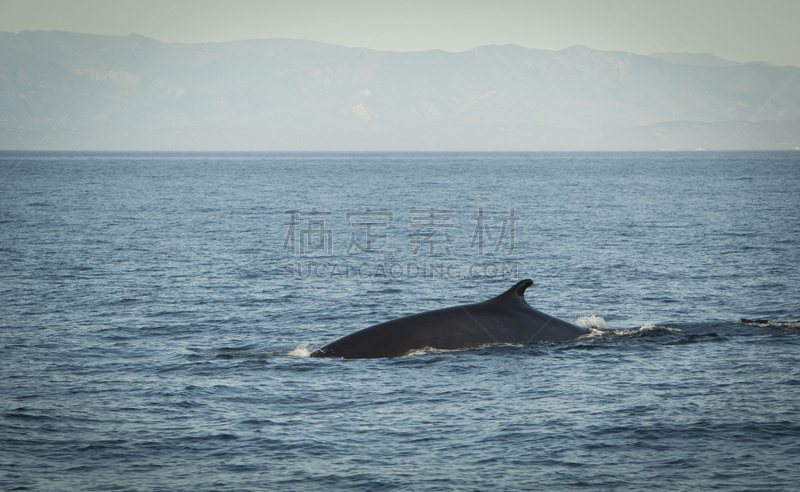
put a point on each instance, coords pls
(431, 350)
(643, 331)
(421, 351)
(649, 327)
(302, 350)
(653, 329)
(385, 291)
(766, 323)
(592, 322)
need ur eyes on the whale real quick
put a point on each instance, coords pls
(505, 319)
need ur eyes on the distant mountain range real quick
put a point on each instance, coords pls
(135, 93)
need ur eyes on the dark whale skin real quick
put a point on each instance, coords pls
(507, 318)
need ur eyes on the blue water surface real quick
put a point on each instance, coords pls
(157, 311)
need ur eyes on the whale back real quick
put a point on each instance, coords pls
(507, 318)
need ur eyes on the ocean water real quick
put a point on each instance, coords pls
(157, 312)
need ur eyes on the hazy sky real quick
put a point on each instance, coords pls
(736, 30)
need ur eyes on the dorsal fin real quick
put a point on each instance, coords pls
(518, 291)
